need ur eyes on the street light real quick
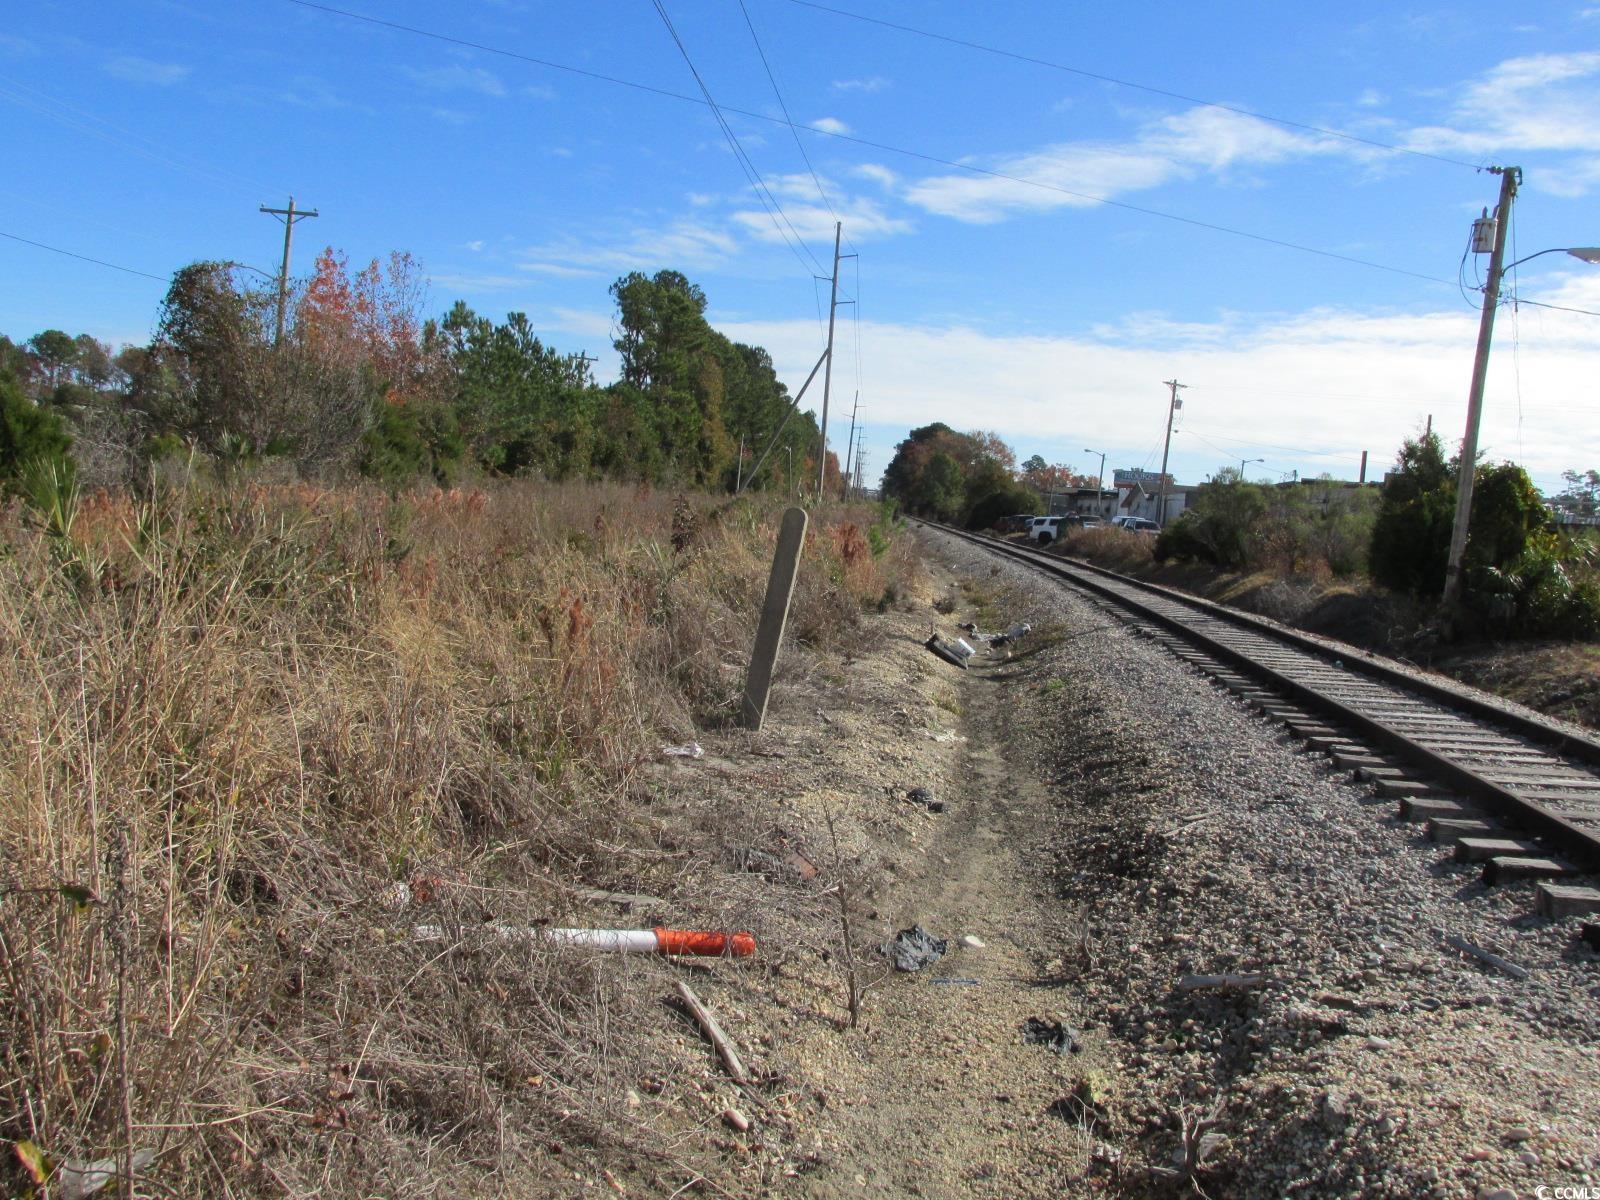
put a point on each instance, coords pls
(1243, 462)
(1099, 479)
(1510, 178)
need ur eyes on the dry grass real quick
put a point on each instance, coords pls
(1110, 546)
(242, 726)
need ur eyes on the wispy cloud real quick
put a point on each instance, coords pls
(873, 83)
(1074, 174)
(813, 219)
(134, 69)
(16, 47)
(475, 246)
(457, 78)
(684, 244)
(1537, 102)
(830, 125)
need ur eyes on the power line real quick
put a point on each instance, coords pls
(99, 262)
(772, 79)
(1142, 87)
(884, 146)
(46, 105)
(775, 210)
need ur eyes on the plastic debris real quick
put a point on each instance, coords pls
(700, 943)
(1059, 1036)
(955, 653)
(925, 797)
(914, 948)
(688, 750)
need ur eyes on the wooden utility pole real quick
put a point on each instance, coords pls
(288, 216)
(1173, 405)
(827, 370)
(1509, 178)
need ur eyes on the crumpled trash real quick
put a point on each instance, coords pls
(1059, 1036)
(925, 797)
(914, 948)
(688, 750)
(1015, 634)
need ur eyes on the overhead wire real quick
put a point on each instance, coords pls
(784, 107)
(100, 262)
(47, 105)
(871, 144)
(775, 211)
(1142, 87)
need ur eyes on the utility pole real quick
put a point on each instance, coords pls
(827, 371)
(288, 216)
(1509, 178)
(739, 478)
(1173, 406)
(849, 446)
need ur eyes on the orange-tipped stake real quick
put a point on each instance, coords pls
(704, 943)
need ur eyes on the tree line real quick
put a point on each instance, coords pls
(363, 381)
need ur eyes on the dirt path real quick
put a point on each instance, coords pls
(1112, 823)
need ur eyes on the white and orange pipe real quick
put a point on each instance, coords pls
(700, 943)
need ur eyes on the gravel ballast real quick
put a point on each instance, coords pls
(1190, 837)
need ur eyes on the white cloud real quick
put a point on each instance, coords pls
(830, 125)
(880, 175)
(683, 245)
(1074, 174)
(874, 83)
(144, 70)
(1372, 98)
(457, 78)
(812, 219)
(1329, 382)
(475, 246)
(1535, 102)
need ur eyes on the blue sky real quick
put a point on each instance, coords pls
(992, 291)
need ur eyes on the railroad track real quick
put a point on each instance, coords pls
(1518, 794)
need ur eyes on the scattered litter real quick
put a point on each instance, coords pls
(1059, 1036)
(396, 896)
(735, 1119)
(688, 750)
(914, 948)
(973, 943)
(947, 736)
(701, 943)
(708, 1026)
(925, 797)
(79, 1180)
(1014, 634)
(1487, 956)
(791, 866)
(955, 653)
(1191, 983)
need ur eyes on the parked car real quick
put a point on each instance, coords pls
(1140, 525)
(1045, 530)
(1016, 524)
(1091, 523)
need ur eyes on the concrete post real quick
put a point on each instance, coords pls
(774, 616)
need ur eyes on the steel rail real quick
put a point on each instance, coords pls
(1389, 728)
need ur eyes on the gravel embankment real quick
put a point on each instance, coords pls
(1193, 837)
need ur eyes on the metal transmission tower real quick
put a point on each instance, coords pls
(1173, 406)
(288, 216)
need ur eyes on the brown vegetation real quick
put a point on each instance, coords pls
(255, 735)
